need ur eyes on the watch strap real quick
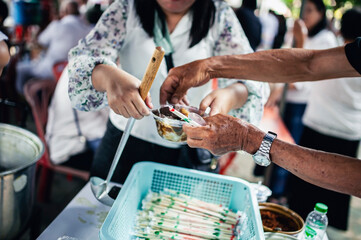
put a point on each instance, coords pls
(267, 142)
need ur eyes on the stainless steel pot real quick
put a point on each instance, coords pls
(19, 152)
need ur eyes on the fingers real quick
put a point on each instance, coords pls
(211, 102)
(173, 88)
(168, 88)
(124, 112)
(131, 105)
(138, 106)
(184, 101)
(166, 91)
(193, 132)
(148, 101)
(206, 102)
(194, 143)
(195, 138)
(215, 108)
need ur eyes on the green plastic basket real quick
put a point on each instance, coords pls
(144, 176)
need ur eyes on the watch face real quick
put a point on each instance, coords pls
(261, 159)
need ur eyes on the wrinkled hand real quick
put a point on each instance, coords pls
(224, 99)
(122, 92)
(300, 33)
(222, 134)
(182, 78)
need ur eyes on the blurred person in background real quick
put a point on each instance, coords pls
(269, 30)
(4, 52)
(251, 24)
(72, 136)
(282, 29)
(83, 7)
(126, 35)
(4, 12)
(309, 33)
(93, 14)
(58, 38)
(333, 124)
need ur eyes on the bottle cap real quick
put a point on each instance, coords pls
(320, 207)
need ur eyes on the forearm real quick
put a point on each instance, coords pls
(103, 75)
(283, 65)
(327, 170)
(239, 90)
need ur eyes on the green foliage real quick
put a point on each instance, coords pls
(335, 4)
(341, 3)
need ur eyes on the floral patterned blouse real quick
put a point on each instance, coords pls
(119, 31)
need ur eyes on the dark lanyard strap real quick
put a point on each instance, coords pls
(169, 61)
(76, 118)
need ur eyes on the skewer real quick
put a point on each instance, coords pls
(184, 117)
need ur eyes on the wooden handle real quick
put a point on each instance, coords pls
(151, 72)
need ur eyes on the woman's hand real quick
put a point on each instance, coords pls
(225, 99)
(224, 133)
(300, 33)
(122, 91)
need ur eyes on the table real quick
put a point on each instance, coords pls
(81, 219)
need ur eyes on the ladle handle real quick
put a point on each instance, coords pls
(151, 72)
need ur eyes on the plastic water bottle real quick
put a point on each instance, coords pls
(316, 223)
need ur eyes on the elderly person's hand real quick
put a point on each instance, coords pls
(223, 134)
(182, 78)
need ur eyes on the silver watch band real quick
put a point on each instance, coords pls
(267, 142)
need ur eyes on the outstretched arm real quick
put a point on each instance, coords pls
(224, 133)
(284, 65)
(280, 65)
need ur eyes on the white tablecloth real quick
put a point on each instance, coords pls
(81, 219)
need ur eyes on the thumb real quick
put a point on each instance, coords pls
(148, 101)
(206, 102)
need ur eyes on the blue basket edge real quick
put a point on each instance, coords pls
(151, 165)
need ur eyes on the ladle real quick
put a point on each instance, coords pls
(100, 187)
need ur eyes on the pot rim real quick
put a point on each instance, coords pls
(32, 137)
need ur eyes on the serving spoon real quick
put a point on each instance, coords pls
(101, 188)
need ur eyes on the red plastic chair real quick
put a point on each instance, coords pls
(38, 94)
(58, 69)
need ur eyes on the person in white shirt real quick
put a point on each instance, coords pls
(72, 136)
(332, 123)
(58, 38)
(309, 33)
(127, 33)
(269, 30)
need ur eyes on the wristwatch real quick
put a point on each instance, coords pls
(261, 157)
